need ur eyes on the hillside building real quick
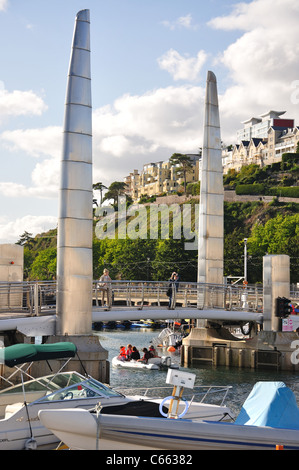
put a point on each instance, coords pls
(262, 141)
(158, 178)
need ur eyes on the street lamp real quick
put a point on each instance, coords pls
(245, 294)
(245, 259)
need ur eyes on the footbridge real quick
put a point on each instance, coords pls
(30, 307)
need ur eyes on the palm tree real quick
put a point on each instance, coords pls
(185, 165)
(99, 187)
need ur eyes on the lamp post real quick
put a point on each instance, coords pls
(147, 268)
(245, 293)
(245, 259)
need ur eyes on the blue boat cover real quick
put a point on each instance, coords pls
(270, 404)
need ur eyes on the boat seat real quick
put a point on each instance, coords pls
(11, 409)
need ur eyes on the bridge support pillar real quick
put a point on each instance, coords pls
(211, 212)
(276, 283)
(93, 357)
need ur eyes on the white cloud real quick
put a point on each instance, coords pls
(150, 127)
(181, 22)
(10, 231)
(17, 103)
(36, 142)
(137, 129)
(42, 190)
(183, 67)
(3, 5)
(262, 63)
(271, 14)
(134, 130)
(45, 144)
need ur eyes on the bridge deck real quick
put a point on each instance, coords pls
(31, 306)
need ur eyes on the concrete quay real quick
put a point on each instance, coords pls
(263, 350)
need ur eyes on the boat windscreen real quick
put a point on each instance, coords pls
(89, 388)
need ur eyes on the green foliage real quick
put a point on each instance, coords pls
(279, 235)
(99, 187)
(248, 175)
(25, 238)
(290, 157)
(292, 191)
(184, 165)
(254, 189)
(193, 189)
(144, 199)
(269, 227)
(116, 189)
(234, 252)
(125, 258)
(44, 265)
(171, 256)
(255, 180)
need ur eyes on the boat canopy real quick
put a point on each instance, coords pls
(25, 352)
(270, 404)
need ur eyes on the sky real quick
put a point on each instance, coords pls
(149, 62)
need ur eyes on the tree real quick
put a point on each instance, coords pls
(25, 238)
(44, 265)
(184, 166)
(170, 255)
(234, 252)
(99, 187)
(279, 235)
(116, 189)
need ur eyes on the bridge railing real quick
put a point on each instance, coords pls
(28, 298)
(39, 297)
(143, 294)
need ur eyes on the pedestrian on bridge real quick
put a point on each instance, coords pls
(174, 281)
(104, 286)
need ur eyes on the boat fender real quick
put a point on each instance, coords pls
(171, 398)
(31, 444)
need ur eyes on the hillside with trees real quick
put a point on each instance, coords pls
(271, 228)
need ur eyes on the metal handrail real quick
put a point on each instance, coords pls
(143, 294)
(39, 297)
(205, 390)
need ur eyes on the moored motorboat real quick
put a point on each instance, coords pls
(20, 427)
(269, 417)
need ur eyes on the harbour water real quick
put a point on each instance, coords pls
(241, 380)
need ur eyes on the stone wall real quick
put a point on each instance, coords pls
(229, 196)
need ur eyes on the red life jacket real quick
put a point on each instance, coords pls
(123, 352)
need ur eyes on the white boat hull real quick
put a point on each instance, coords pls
(15, 430)
(134, 365)
(154, 363)
(79, 429)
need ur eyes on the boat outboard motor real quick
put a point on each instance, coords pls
(179, 380)
(166, 361)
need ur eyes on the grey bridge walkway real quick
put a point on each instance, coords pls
(30, 307)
